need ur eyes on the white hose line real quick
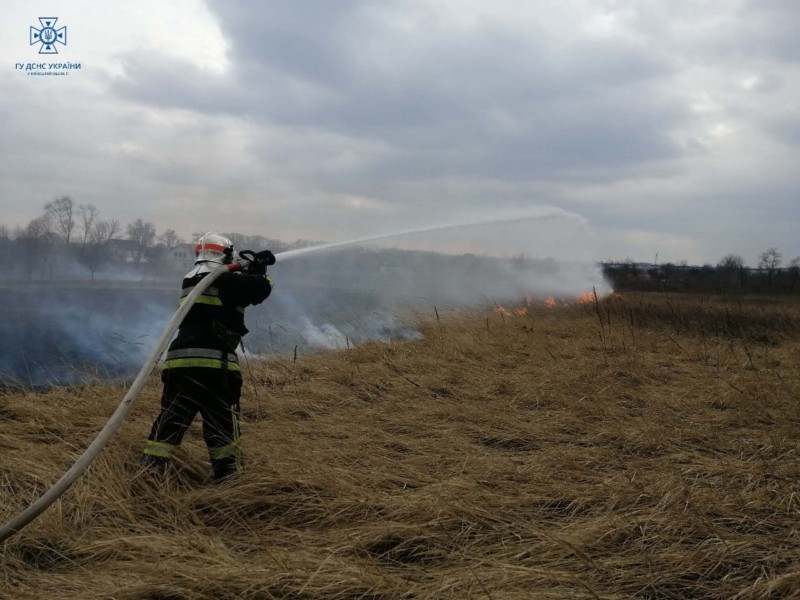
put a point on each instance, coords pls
(75, 471)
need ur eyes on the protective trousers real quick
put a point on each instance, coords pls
(215, 394)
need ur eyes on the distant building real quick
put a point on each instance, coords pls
(180, 258)
(123, 250)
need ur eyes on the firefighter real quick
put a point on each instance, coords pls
(201, 372)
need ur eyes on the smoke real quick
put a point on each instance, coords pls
(331, 296)
(67, 333)
(327, 297)
(308, 318)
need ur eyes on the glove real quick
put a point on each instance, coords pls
(255, 263)
(257, 267)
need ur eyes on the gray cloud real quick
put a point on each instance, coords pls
(771, 28)
(488, 101)
(337, 119)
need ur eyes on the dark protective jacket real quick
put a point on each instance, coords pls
(214, 326)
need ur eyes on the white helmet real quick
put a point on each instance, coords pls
(213, 248)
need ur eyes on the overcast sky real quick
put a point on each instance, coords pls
(670, 127)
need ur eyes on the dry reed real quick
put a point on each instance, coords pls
(646, 447)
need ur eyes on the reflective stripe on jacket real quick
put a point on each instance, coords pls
(214, 325)
(210, 296)
(202, 357)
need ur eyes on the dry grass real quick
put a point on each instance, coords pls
(643, 448)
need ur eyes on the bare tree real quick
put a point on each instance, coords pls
(794, 269)
(731, 261)
(36, 241)
(170, 239)
(62, 213)
(6, 252)
(731, 268)
(105, 230)
(88, 215)
(144, 234)
(99, 236)
(770, 260)
(40, 228)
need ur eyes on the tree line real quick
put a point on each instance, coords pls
(69, 240)
(730, 275)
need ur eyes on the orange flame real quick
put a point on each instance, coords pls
(511, 312)
(549, 302)
(502, 310)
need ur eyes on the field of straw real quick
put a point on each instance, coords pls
(642, 447)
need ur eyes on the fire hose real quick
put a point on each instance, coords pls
(76, 470)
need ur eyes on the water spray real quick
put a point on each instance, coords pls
(545, 215)
(115, 421)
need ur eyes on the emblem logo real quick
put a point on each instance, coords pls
(48, 36)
